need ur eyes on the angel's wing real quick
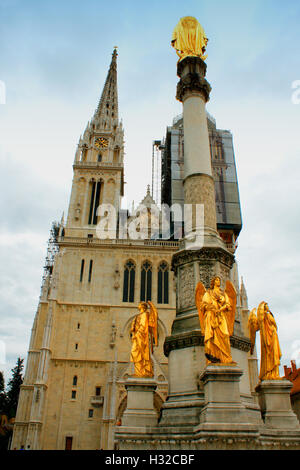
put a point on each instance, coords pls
(261, 312)
(261, 323)
(153, 315)
(199, 293)
(231, 292)
(253, 328)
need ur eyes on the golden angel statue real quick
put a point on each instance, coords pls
(189, 38)
(269, 343)
(144, 336)
(216, 310)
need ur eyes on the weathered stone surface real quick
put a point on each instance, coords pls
(192, 71)
(140, 403)
(275, 403)
(200, 189)
(223, 407)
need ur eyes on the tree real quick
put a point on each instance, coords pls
(13, 388)
(4, 432)
(3, 397)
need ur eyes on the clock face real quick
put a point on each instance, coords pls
(101, 142)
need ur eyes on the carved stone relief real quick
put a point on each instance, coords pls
(224, 273)
(113, 334)
(206, 273)
(186, 286)
(199, 189)
(116, 276)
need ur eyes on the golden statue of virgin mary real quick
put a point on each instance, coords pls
(189, 38)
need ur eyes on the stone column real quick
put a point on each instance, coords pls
(192, 264)
(199, 188)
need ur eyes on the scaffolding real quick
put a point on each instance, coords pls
(157, 147)
(52, 249)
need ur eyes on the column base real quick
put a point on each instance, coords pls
(275, 403)
(140, 410)
(223, 409)
(182, 410)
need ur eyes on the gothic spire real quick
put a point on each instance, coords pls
(106, 114)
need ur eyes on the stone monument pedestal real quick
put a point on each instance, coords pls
(223, 409)
(275, 404)
(140, 403)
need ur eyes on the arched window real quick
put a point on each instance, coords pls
(146, 281)
(99, 157)
(90, 270)
(129, 281)
(81, 270)
(75, 380)
(163, 283)
(94, 201)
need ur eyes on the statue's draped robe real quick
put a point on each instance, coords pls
(216, 334)
(189, 41)
(270, 349)
(140, 351)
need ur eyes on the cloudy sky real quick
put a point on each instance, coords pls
(54, 60)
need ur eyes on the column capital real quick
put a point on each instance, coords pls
(192, 71)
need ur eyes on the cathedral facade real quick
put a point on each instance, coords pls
(73, 394)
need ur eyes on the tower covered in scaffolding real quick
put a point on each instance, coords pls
(229, 219)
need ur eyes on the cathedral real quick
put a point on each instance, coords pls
(73, 395)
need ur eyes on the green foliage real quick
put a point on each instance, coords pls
(9, 402)
(13, 388)
(3, 397)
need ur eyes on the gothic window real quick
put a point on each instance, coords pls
(94, 202)
(116, 155)
(163, 283)
(37, 396)
(69, 441)
(146, 281)
(129, 281)
(75, 380)
(90, 270)
(81, 270)
(99, 157)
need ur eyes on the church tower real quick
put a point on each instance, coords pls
(73, 392)
(98, 165)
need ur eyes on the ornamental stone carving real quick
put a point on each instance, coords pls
(195, 338)
(192, 71)
(200, 189)
(186, 287)
(224, 273)
(206, 273)
(208, 256)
